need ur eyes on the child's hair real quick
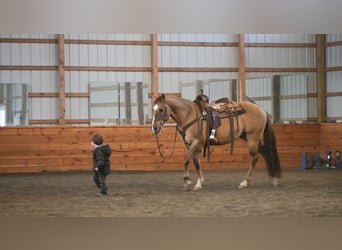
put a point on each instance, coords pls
(97, 139)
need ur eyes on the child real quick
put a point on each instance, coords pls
(101, 162)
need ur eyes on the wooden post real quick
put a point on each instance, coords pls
(234, 92)
(128, 103)
(321, 78)
(9, 104)
(61, 80)
(242, 68)
(140, 103)
(276, 99)
(23, 104)
(154, 66)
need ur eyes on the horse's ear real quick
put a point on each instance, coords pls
(163, 97)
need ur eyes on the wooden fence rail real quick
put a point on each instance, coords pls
(35, 149)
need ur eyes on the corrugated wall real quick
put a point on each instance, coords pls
(259, 84)
(109, 55)
(261, 90)
(36, 54)
(106, 56)
(334, 79)
(187, 56)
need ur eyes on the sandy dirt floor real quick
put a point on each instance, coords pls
(309, 193)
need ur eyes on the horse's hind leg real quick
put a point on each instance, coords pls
(253, 158)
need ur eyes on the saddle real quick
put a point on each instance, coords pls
(223, 108)
(226, 108)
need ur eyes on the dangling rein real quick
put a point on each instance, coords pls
(173, 148)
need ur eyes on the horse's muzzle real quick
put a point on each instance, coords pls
(155, 129)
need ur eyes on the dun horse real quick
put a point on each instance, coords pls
(251, 124)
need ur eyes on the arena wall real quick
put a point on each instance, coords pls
(36, 149)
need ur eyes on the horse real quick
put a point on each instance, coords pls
(253, 125)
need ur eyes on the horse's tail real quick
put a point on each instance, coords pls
(269, 151)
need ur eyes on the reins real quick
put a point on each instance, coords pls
(173, 148)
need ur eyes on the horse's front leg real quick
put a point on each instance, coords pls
(193, 154)
(200, 178)
(186, 175)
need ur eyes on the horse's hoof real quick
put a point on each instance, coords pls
(243, 184)
(187, 183)
(196, 188)
(275, 182)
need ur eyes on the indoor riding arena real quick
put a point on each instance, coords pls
(58, 90)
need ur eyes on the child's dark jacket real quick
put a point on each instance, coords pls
(101, 158)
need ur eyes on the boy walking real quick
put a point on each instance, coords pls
(101, 162)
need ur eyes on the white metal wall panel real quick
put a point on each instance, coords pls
(77, 82)
(266, 105)
(333, 80)
(29, 54)
(45, 108)
(219, 88)
(122, 37)
(24, 36)
(333, 56)
(334, 105)
(107, 55)
(5, 76)
(198, 37)
(108, 103)
(294, 107)
(293, 85)
(76, 108)
(189, 89)
(44, 81)
(279, 38)
(104, 55)
(312, 107)
(280, 57)
(333, 37)
(260, 87)
(183, 56)
(173, 56)
(38, 81)
(170, 81)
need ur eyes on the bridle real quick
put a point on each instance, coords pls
(173, 148)
(165, 117)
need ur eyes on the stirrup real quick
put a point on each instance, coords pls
(212, 138)
(212, 135)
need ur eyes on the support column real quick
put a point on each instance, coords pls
(321, 78)
(140, 102)
(276, 99)
(242, 68)
(128, 103)
(61, 80)
(154, 66)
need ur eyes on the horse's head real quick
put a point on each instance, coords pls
(161, 113)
